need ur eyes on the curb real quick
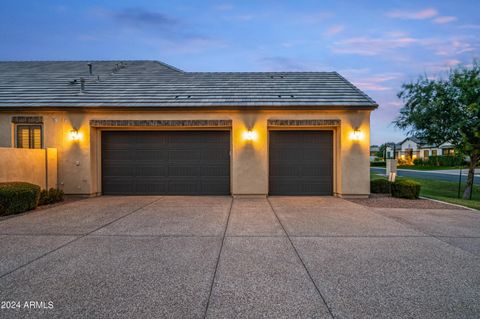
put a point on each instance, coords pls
(440, 201)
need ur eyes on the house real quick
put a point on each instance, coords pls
(145, 127)
(413, 148)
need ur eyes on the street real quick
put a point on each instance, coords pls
(447, 176)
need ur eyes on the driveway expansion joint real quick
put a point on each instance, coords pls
(301, 260)
(218, 259)
(77, 238)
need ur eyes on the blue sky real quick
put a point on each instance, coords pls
(378, 45)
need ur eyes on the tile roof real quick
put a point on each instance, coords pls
(156, 84)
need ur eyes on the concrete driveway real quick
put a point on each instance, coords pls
(282, 257)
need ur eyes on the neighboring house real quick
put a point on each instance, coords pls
(412, 148)
(144, 127)
(374, 149)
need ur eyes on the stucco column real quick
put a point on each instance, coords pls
(249, 157)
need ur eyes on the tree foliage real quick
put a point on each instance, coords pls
(445, 110)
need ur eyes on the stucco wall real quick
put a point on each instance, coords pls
(79, 161)
(36, 166)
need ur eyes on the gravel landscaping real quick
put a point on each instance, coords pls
(386, 201)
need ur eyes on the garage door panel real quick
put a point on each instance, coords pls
(154, 187)
(183, 171)
(279, 169)
(166, 162)
(215, 154)
(301, 163)
(150, 154)
(119, 186)
(119, 171)
(186, 187)
(119, 154)
(151, 170)
(215, 171)
(312, 170)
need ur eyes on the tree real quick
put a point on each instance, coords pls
(446, 110)
(381, 151)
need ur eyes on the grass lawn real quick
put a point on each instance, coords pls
(441, 190)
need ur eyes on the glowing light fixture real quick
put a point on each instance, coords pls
(74, 135)
(356, 135)
(250, 135)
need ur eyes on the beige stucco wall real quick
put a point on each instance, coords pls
(79, 169)
(36, 166)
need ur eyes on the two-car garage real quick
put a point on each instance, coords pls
(166, 162)
(198, 162)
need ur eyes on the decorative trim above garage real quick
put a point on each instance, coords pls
(161, 123)
(27, 119)
(298, 123)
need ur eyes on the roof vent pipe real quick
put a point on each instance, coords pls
(90, 70)
(82, 85)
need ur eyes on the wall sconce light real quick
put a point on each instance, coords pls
(356, 135)
(249, 135)
(74, 135)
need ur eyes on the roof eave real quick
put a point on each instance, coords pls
(348, 107)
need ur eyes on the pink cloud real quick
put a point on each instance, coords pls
(413, 15)
(452, 62)
(444, 19)
(375, 82)
(451, 46)
(372, 46)
(372, 86)
(333, 30)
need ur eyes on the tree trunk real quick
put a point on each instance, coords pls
(471, 173)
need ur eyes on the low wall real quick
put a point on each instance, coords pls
(36, 166)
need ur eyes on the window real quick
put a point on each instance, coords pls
(434, 152)
(29, 136)
(448, 152)
(426, 153)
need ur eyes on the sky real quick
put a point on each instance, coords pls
(377, 45)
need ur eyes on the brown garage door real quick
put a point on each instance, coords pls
(301, 163)
(166, 162)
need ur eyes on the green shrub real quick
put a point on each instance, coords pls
(406, 188)
(377, 164)
(53, 195)
(381, 186)
(440, 161)
(18, 197)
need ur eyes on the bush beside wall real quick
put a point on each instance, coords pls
(403, 188)
(51, 196)
(380, 186)
(18, 197)
(406, 189)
